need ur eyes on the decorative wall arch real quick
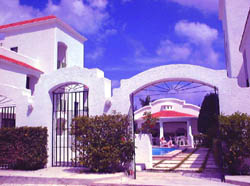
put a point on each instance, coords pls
(193, 73)
(213, 78)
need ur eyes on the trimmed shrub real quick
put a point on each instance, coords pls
(208, 117)
(104, 143)
(235, 136)
(23, 148)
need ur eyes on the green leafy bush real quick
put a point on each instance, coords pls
(104, 143)
(235, 136)
(23, 148)
(217, 152)
(148, 126)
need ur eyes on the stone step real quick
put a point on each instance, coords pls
(165, 166)
(189, 166)
(170, 161)
(195, 160)
(187, 169)
(161, 169)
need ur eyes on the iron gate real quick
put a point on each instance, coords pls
(8, 117)
(69, 101)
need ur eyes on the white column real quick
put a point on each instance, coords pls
(161, 130)
(189, 134)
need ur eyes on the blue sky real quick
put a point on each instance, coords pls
(126, 37)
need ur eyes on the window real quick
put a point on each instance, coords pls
(61, 55)
(28, 82)
(167, 107)
(246, 68)
(15, 49)
(8, 117)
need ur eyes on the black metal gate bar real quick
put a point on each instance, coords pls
(8, 117)
(66, 106)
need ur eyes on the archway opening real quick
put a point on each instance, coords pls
(176, 106)
(70, 100)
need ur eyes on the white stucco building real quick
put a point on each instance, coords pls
(43, 81)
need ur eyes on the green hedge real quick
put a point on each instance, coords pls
(23, 148)
(104, 143)
(235, 137)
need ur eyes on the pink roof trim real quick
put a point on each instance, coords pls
(19, 63)
(169, 113)
(28, 21)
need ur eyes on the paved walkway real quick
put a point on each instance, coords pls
(193, 163)
(59, 176)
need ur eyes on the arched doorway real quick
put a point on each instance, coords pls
(70, 100)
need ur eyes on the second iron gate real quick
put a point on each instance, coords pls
(69, 101)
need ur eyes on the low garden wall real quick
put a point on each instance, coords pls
(143, 151)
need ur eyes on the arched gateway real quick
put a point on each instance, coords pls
(227, 87)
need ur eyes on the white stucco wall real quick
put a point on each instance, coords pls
(245, 48)
(36, 42)
(21, 98)
(19, 57)
(75, 49)
(41, 115)
(143, 150)
(233, 15)
(39, 42)
(15, 75)
(232, 98)
(11, 77)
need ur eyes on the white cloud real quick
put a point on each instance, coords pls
(105, 34)
(12, 11)
(173, 51)
(137, 46)
(96, 54)
(203, 37)
(206, 6)
(98, 3)
(85, 16)
(196, 32)
(197, 49)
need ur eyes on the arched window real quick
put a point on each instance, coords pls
(61, 55)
